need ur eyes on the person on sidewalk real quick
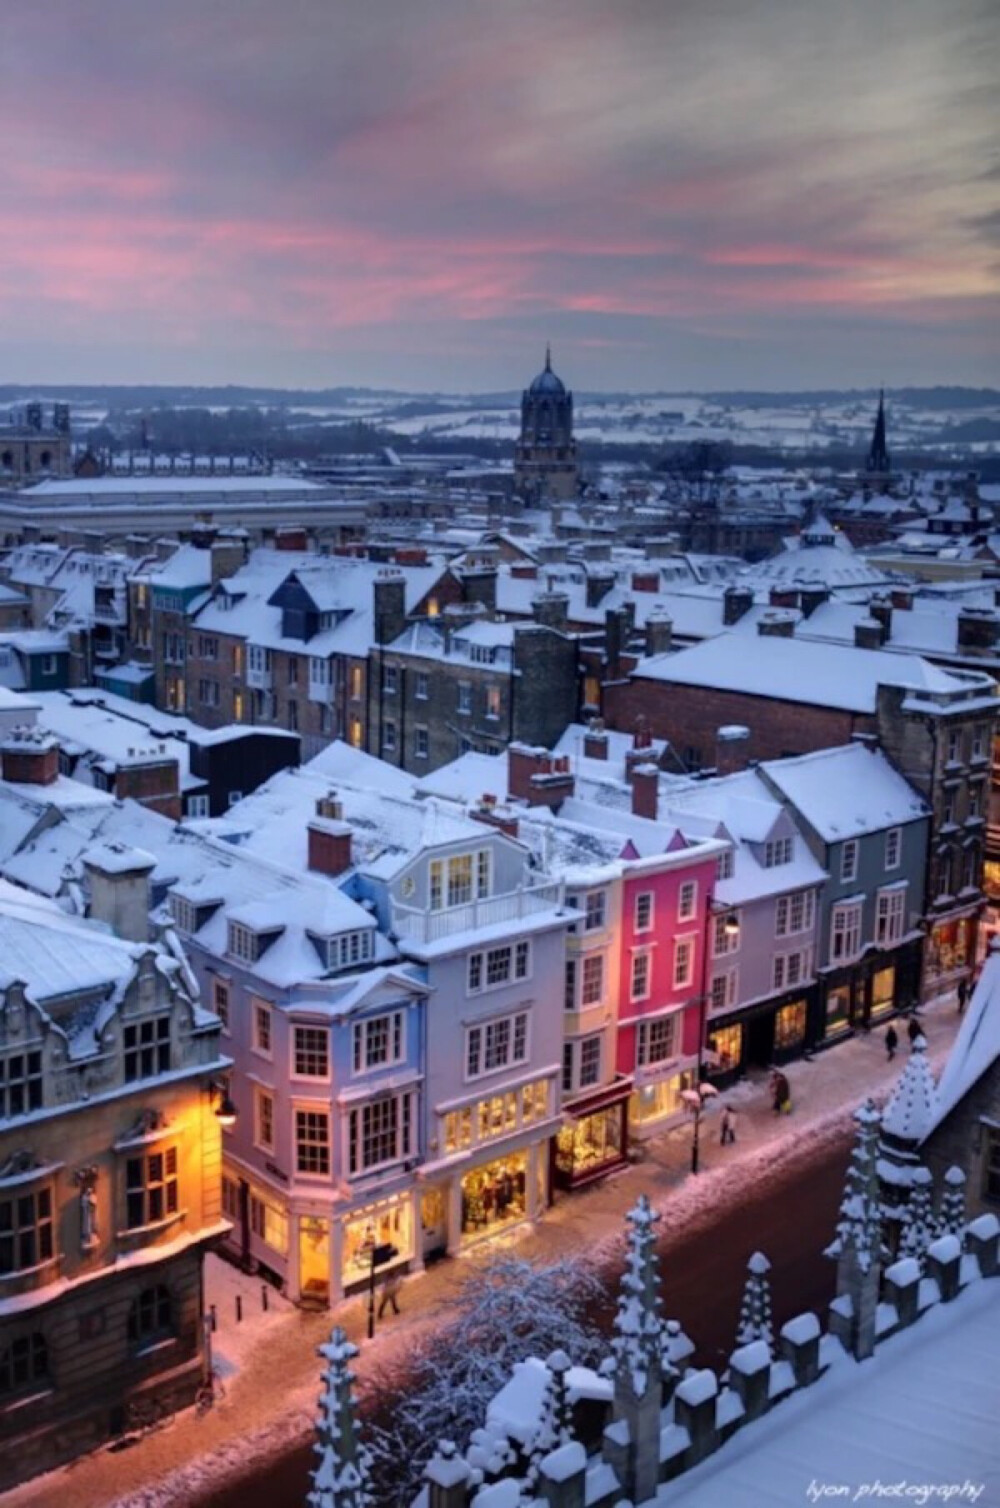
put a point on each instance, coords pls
(891, 1042)
(914, 1029)
(727, 1130)
(782, 1094)
(963, 994)
(390, 1293)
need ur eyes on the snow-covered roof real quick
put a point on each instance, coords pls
(912, 1109)
(828, 675)
(53, 954)
(922, 1410)
(847, 791)
(977, 1046)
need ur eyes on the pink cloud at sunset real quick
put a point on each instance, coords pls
(418, 196)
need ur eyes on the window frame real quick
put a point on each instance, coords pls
(644, 900)
(850, 855)
(157, 1193)
(262, 1042)
(893, 845)
(307, 1117)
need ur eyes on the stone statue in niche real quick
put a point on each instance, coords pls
(86, 1181)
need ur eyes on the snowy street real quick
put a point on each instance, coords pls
(268, 1363)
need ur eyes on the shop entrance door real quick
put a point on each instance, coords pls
(314, 1259)
(434, 1223)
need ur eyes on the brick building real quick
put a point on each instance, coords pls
(794, 697)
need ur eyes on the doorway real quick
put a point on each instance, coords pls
(314, 1259)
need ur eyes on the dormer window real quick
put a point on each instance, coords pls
(460, 879)
(777, 851)
(248, 945)
(349, 949)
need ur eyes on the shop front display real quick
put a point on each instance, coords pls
(883, 993)
(838, 1010)
(314, 1259)
(387, 1223)
(790, 1026)
(725, 1048)
(494, 1195)
(950, 945)
(591, 1144)
(654, 1102)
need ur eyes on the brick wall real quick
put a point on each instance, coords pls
(690, 716)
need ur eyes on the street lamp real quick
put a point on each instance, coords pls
(695, 1098)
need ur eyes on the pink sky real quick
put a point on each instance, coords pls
(675, 192)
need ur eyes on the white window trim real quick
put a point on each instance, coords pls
(683, 984)
(309, 1078)
(682, 914)
(401, 1154)
(390, 1062)
(897, 833)
(258, 1140)
(638, 953)
(650, 926)
(848, 874)
(257, 1004)
(313, 1107)
(857, 908)
(591, 1005)
(484, 987)
(512, 1062)
(674, 1055)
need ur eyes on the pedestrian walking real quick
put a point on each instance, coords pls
(782, 1094)
(727, 1131)
(390, 1293)
(891, 1042)
(913, 1029)
(963, 994)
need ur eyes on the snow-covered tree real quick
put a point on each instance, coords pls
(951, 1212)
(341, 1478)
(638, 1327)
(755, 1310)
(859, 1228)
(505, 1310)
(917, 1227)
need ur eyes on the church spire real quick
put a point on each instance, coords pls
(548, 357)
(879, 463)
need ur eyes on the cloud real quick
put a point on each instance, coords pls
(391, 185)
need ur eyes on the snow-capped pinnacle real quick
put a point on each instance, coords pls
(912, 1110)
(758, 1263)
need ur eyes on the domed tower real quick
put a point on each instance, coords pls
(545, 455)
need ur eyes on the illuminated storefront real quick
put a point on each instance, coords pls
(725, 1047)
(388, 1222)
(883, 999)
(654, 1102)
(838, 1009)
(790, 1026)
(595, 1140)
(494, 1196)
(951, 946)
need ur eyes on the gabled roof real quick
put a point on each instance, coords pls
(977, 1046)
(846, 792)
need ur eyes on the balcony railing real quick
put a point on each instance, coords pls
(421, 926)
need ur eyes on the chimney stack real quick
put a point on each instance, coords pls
(731, 746)
(118, 879)
(645, 782)
(595, 740)
(538, 777)
(30, 757)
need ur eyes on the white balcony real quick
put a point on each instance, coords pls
(421, 926)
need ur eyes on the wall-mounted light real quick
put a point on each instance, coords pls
(225, 1111)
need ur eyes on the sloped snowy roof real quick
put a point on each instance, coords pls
(55, 954)
(922, 1410)
(977, 1046)
(911, 1111)
(828, 675)
(846, 791)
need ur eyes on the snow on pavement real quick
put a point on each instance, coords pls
(271, 1395)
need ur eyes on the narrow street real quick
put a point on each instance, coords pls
(703, 1274)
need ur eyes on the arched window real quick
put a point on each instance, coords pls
(150, 1317)
(24, 1366)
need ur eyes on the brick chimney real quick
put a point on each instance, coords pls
(736, 603)
(783, 596)
(551, 609)
(494, 815)
(645, 782)
(29, 756)
(228, 553)
(329, 838)
(902, 598)
(538, 777)
(777, 623)
(659, 634)
(595, 741)
(812, 597)
(880, 608)
(869, 634)
(645, 581)
(290, 537)
(152, 777)
(978, 628)
(389, 605)
(599, 584)
(732, 743)
(524, 570)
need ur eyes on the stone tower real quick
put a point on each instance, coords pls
(545, 455)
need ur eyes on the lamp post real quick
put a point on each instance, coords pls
(695, 1098)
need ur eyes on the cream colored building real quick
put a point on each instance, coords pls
(109, 1171)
